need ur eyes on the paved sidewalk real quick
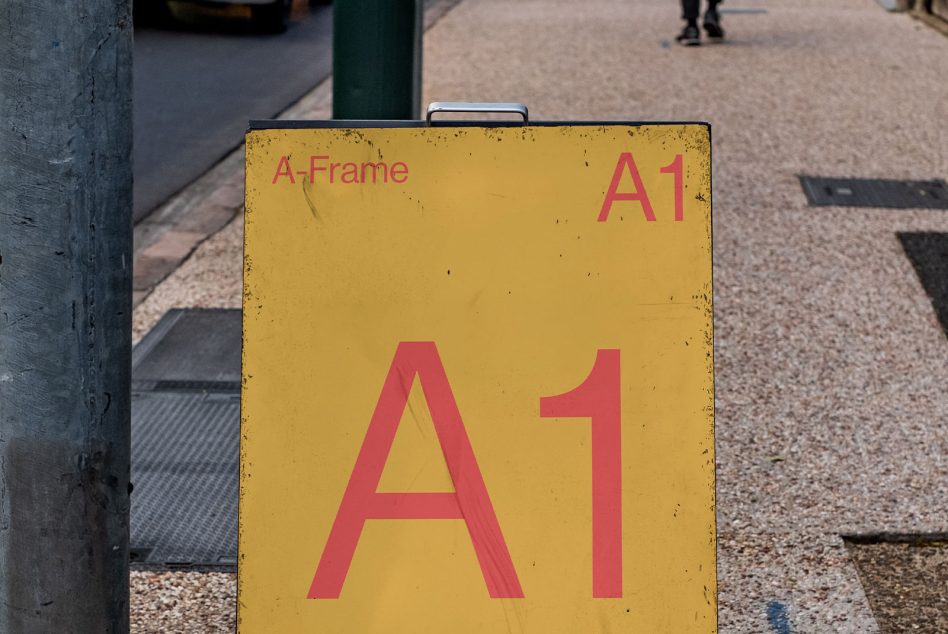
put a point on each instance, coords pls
(832, 368)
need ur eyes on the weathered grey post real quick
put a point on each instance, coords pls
(65, 309)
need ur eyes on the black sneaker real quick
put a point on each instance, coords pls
(691, 36)
(712, 24)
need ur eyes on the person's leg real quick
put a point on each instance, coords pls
(712, 20)
(690, 10)
(690, 36)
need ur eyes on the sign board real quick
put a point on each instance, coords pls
(478, 380)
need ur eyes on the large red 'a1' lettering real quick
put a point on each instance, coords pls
(626, 163)
(675, 169)
(469, 502)
(599, 398)
(284, 169)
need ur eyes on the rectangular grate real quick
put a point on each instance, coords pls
(191, 345)
(904, 579)
(185, 473)
(928, 252)
(186, 386)
(869, 192)
(185, 441)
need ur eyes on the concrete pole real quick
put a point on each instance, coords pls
(377, 59)
(65, 314)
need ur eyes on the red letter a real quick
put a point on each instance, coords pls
(626, 162)
(283, 169)
(469, 502)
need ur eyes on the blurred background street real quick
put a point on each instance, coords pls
(830, 318)
(201, 74)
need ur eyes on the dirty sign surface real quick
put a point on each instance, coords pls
(478, 390)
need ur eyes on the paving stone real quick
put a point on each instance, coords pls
(174, 245)
(209, 218)
(149, 271)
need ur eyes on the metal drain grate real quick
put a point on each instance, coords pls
(904, 579)
(928, 252)
(185, 441)
(191, 345)
(867, 192)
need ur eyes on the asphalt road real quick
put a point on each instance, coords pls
(199, 81)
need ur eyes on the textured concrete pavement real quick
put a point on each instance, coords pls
(832, 368)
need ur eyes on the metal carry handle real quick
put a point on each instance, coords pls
(478, 107)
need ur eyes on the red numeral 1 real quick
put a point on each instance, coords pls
(675, 168)
(599, 398)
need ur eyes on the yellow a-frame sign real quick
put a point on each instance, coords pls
(478, 379)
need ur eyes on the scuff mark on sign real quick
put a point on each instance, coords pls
(308, 194)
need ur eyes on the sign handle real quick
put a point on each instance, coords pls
(477, 107)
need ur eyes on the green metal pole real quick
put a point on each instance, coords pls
(377, 59)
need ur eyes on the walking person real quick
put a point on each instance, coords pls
(690, 9)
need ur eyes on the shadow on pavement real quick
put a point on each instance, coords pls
(928, 252)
